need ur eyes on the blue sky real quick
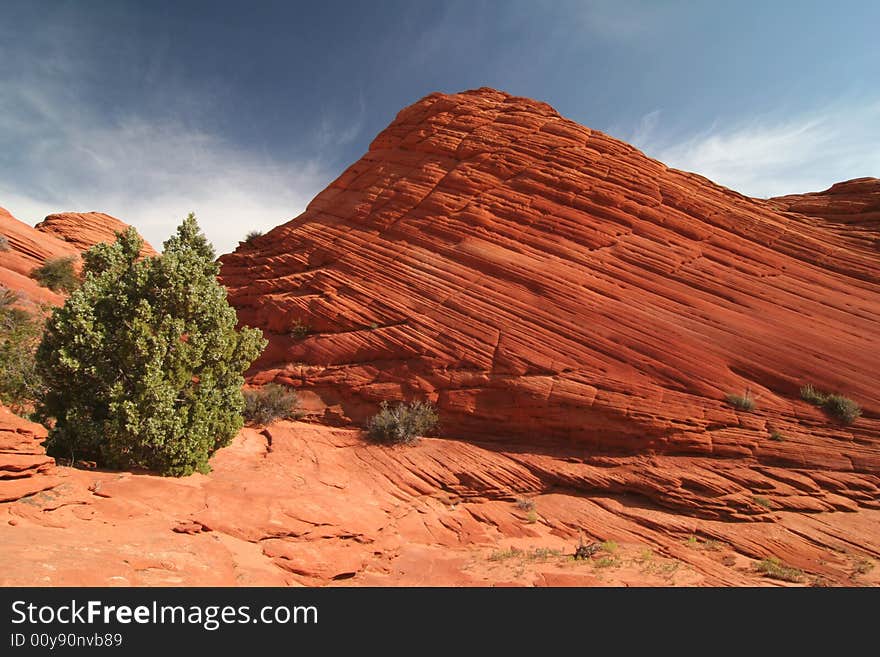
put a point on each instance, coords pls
(243, 111)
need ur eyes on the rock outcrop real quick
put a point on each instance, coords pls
(547, 284)
(578, 312)
(24, 467)
(85, 229)
(300, 504)
(59, 235)
(851, 207)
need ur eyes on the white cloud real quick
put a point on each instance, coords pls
(62, 156)
(772, 156)
(646, 128)
(335, 131)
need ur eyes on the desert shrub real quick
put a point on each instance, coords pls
(586, 550)
(19, 337)
(811, 395)
(299, 330)
(271, 402)
(4, 243)
(838, 406)
(744, 402)
(774, 568)
(402, 423)
(57, 274)
(776, 436)
(143, 363)
(843, 408)
(251, 236)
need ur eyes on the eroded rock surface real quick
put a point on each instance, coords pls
(58, 236)
(302, 504)
(547, 284)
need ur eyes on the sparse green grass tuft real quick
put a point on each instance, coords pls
(503, 555)
(775, 435)
(743, 402)
(774, 568)
(532, 517)
(607, 562)
(811, 395)
(645, 556)
(536, 554)
(609, 546)
(762, 501)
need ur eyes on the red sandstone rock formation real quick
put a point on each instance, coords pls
(854, 202)
(851, 207)
(578, 311)
(85, 229)
(24, 467)
(59, 235)
(551, 286)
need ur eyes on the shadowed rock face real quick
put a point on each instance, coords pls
(550, 284)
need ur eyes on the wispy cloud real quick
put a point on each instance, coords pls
(337, 131)
(62, 151)
(771, 156)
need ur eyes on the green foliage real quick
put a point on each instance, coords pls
(776, 436)
(57, 274)
(744, 402)
(271, 402)
(143, 364)
(607, 562)
(251, 236)
(838, 406)
(403, 423)
(843, 408)
(774, 568)
(19, 337)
